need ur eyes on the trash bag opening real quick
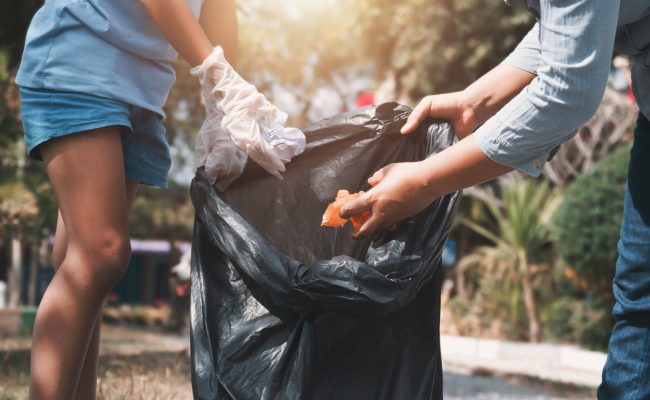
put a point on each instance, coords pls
(282, 308)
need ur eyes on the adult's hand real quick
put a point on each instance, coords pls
(453, 107)
(402, 190)
(468, 109)
(399, 191)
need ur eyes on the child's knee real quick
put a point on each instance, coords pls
(107, 255)
(114, 251)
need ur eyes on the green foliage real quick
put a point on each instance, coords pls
(24, 191)
(521, 217)
(26, 200)
(521, 236)
(577, 321)
(438, 46)
(10, 125)
(588, 221)
(41, 189)
(18, 207)
(586, 228)
(557, 316)
(14, 19)
(495, 292)
(162, 214)
(593, 327)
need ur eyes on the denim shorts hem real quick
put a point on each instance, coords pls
(49, 114)
(32, 145)
(158, 180)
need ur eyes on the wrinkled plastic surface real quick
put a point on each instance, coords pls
(283, 308)
(240, 122)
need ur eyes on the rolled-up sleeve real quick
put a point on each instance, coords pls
(526, 55)
(576, 41)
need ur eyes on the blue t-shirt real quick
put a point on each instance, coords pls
(109, 48)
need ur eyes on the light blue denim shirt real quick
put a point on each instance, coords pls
(570, 50)
(109, 48)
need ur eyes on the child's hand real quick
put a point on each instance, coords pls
(237, 114)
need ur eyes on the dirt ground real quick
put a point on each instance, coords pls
(148, 365)
(134, 364)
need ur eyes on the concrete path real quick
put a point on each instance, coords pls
(462, 385)
(548, 362)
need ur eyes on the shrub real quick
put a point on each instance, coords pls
(556, 318)
(588, 221)
(587, 226)
(577, 321)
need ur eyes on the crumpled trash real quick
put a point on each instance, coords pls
(332, 215)
(283, 308)
(240, 123)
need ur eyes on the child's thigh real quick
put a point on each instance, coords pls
(86, 170)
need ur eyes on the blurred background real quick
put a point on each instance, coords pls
(530, 261)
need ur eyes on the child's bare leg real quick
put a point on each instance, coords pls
(87, 175)
(87, 386)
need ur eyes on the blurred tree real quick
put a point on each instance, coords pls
(21, 194)
(162, 214)
(521, 237)
(302, 55)
(18, 210)
(14, 20)
(10, 125)
(437, 46)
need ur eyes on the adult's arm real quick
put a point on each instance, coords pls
(181, 28)
(576, 44)
(472, 107)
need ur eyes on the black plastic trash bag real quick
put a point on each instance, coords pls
(285, 309)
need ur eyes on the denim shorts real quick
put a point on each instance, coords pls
(49, 114)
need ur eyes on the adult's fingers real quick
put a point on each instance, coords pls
(419, 114)
(378, 176)
(373, 224)
(356, 206)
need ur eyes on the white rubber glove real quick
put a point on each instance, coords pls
(235, 110)
(222, 160)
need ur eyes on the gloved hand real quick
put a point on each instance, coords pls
(222, 160)
(237, 114)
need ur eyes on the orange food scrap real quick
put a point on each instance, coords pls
(358, 220)
(332, 216)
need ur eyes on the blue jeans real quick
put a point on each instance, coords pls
(627, 371)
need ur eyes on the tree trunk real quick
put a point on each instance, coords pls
(534, 327)
(463, 248)
(461, 290)
(15, 273)
(33, 272)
